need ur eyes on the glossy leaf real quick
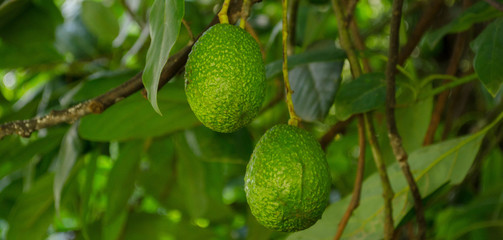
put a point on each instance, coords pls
(488, 59)
(360, 95)
(34, 211)
(433, 167)
(314, 86)
(478, 12)
(68, 153)
(330, 54)
(165, 20)
(100, 21)
(133, 117)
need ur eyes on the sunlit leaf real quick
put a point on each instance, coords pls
(165, 20)
(68, 153)
(432, 166)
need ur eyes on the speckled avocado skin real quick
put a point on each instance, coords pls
(287, 181)
(225, 78)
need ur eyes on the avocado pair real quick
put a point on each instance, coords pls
(287, 181)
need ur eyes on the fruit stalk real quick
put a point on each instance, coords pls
(294, 119)
(222, 15)
(245, 12)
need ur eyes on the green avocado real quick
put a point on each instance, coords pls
(287, 181)
(225, 78)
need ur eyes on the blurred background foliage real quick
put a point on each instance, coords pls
(130, 173)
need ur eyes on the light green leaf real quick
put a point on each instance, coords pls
(488, 59)
(100, 21)
(433, 166)
(165, 19)
(133, 117)
(478, 12)
(33, 212)
(68, 153)
(314, 86)
(360, 95)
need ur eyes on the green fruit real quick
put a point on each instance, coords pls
(225, 78)
(287, 181)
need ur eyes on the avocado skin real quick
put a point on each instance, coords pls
(225, 78)
(287, 180)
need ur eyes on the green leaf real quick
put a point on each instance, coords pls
(15, 155)
(330, 54)
(158, 169)
(478, 12)
(68, 153)
(314, 86)
(360, 95)
(433, 166)
(488, 59)
(165, 19)
(34, 211)
(412, 123)
(191, 175)
(28, 39)
(121, 181)
(100, 21)
(134, 118)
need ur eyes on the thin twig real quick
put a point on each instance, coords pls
(350, 9)
(245, 12)
(131, 14)
(457, 53)
(292, 25)
(294, 119)
(387, 190)
(339, 127)
(428, 17)
(356, 71)
(357, 189)
(99, 104)
(394, 136)
(495, 4)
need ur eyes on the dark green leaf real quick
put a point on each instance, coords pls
(314, 86)
(191, 175)
(68, 153)
(488, 59)
(165, 20)
(28, 39)
(157, 171)
(360, 95)
(11, 9)
(432, 166)
(100, 21)
(331, 54)
(34, 211)
(121, 181)
(133, 117)
(15, 155)
(478, 12)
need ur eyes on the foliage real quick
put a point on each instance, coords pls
(131, 173)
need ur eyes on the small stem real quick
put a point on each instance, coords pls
(294, 119)
(394, 137)
(383, 174)
(222, 15)
(334, 130)
(245, 12)
(355, 198)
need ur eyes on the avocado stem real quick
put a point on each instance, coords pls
(222, 15)
(294, 119)
(245, 12)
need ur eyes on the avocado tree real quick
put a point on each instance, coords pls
(249, 119)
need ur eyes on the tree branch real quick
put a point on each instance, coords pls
(495, 4)
(355, 198)
(99, 104)
(339, 127)
(394, 136)
(432, 8)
